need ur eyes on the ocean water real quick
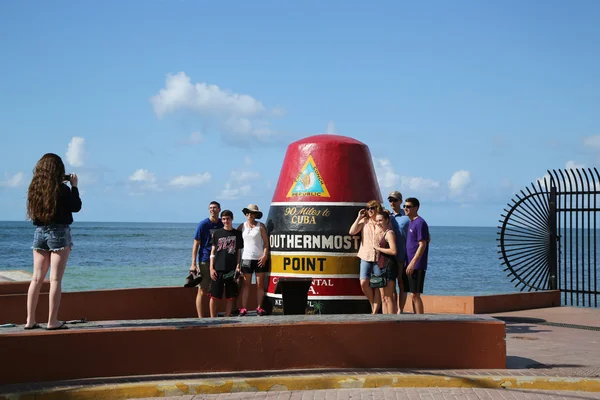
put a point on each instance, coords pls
(462, 260)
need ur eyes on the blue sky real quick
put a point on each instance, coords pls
(163, 106)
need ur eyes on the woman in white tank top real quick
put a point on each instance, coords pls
(254, 257)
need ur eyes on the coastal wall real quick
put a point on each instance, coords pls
(179, 302)
(269, 343)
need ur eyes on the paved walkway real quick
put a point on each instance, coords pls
(547, 350)
(399, 394)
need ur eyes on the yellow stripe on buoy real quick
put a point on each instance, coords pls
(315, 264)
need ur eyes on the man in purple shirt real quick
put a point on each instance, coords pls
(417, 249)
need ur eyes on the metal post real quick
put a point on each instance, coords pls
(552, 237)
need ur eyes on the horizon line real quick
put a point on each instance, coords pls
(179, 222)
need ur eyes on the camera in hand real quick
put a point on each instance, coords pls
(67, 177)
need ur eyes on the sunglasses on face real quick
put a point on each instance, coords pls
(392, 200)
(371, 208)
(407, 206)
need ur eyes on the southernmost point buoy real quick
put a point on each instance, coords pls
(324, 181)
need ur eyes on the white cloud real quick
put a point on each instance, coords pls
(230, 193)
(331, 127)
(235, 115)
(142, 175)
(76, 153)
(389, 180)
(142, 180)
(459, 181)
(180, 93)
(592, 142)
(243, 176)
(247, 160)
(569, 165)
(16, 180)
(183, 181)
(574, 165)
(418, 184)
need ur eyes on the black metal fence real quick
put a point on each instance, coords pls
(548, 236)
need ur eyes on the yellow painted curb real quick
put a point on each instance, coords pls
(305, 382)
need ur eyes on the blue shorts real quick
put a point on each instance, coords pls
(52, 238)
(391, 272)
(366, 269)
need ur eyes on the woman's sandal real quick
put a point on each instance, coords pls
(63, 325)
(34, 326)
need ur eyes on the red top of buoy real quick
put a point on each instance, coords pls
(327, 168)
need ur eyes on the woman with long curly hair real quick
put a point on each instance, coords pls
(50, 204)
(370, 236)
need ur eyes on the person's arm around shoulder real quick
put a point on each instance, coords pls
(241, 227)
(263, 232)
(390, 238)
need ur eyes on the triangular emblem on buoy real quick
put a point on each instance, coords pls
(309, 181)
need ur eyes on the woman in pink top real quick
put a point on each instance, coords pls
(370, 237)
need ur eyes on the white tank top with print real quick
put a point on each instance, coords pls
(253, 242)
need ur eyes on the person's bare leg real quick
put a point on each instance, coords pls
(58, 264)
(260, 289)
(388, 298)
(213, 307)
(366, 288)
(402, 296)
(247, 282)
(229, 307)
(376, 301)
(200, 299)
(384, 301)
(417, 303)
(41, 263)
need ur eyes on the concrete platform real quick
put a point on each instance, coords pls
(532, 371)
(17, 282)
(179, 302)
(272, 343)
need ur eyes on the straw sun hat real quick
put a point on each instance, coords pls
(253, 208)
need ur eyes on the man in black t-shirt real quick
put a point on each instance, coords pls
(225, 258)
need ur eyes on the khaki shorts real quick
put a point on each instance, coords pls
(205, 273)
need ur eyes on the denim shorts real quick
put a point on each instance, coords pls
(52, 238)
(366, 269)
(391, 272)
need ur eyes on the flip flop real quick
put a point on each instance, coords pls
(77, 321)
(63, 325)
(34, 326)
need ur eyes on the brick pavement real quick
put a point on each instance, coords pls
(399, 394)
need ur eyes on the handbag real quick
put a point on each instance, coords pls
(378, 281)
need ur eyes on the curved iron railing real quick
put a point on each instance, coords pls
(547, 238)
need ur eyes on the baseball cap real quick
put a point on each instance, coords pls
(396, 195)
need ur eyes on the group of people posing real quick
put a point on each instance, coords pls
(224, 259)
(394, 248)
